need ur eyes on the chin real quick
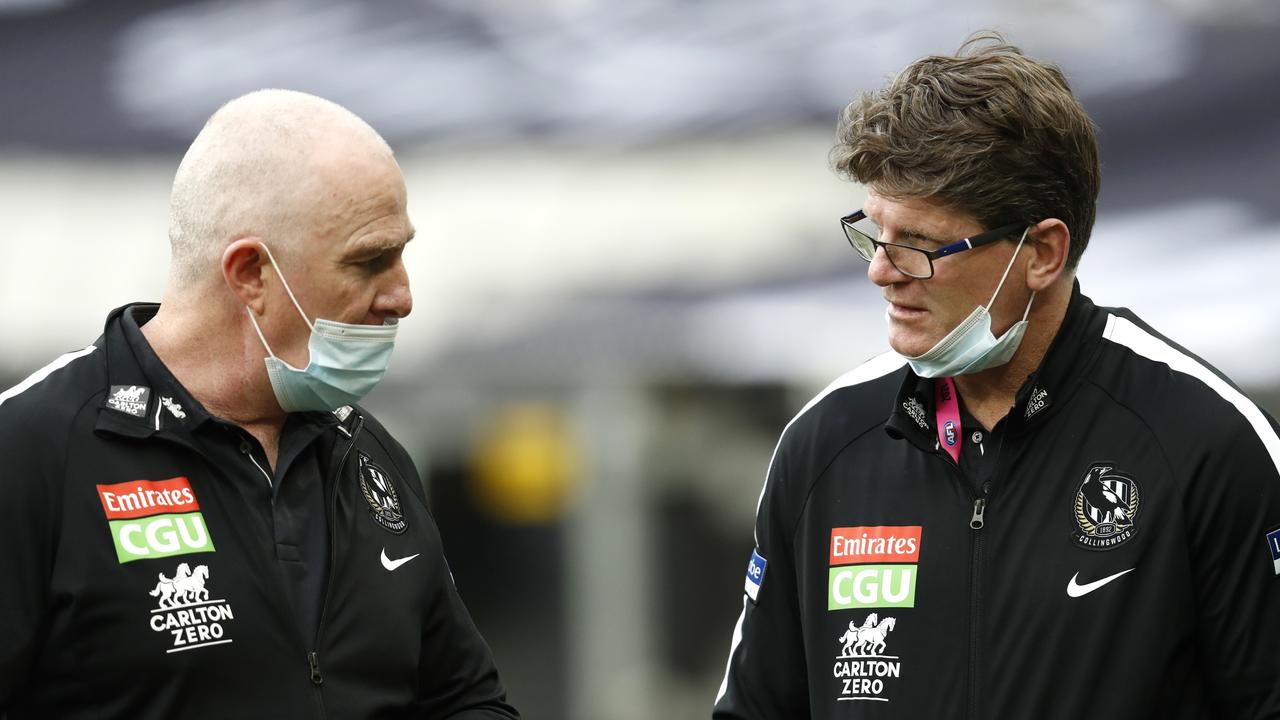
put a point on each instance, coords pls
(909, 344)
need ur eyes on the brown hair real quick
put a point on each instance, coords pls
(989, 132)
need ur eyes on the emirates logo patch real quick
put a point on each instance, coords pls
(380, 493)
(1106, 508)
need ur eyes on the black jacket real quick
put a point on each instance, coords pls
(137, 580)
(1122, 562)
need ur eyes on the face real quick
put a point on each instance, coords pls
(350, 269)
(922, 312)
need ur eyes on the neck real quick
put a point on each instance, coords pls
(211, 351)
(990, 394)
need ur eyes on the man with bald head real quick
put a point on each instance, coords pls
(199, 520)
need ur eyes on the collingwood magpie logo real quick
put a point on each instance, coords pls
(380, 493)
(1105, 509)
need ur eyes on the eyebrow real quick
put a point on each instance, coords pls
(381, 245)
(908, 233)
(919, 235)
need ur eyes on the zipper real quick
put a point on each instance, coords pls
(313, 659)
(977, 522)
(979, 510)
(313, 656)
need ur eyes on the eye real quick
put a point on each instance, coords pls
(377, 263)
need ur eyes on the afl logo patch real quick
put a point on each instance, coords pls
(380, 493)
(1106, 508)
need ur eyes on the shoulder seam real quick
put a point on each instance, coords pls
(877, 367)
(813, 483)
(1126, 333)
(1142, 420)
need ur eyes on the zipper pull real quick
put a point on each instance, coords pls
(314, 661)
(979, 507)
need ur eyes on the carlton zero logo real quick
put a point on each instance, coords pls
(187, 613)
(154, 519)
(863, 668)
(129, 399)
(873, 567)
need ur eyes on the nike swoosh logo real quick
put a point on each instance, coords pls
(1075, 590)
(391, 565)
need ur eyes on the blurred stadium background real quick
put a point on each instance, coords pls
(629, 273)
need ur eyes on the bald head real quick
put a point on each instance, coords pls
(261, 167)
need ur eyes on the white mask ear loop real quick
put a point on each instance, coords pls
(1027, 313)
(1007, 268)
(295, 300)
(254, 321)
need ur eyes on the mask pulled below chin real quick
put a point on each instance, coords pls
(346, 361)
(971, 347)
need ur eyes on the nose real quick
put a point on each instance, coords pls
(394, 299)
(882, 272)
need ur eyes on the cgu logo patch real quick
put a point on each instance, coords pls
(187, 613)
(154, 519)
(863, 668)
(873, 567)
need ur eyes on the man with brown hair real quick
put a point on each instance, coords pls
(1065, 513)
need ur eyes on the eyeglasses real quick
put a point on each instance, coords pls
(864, 236)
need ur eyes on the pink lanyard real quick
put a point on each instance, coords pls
(947, 407)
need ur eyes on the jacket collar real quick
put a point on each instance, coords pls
(143, 397)
(1045, 391)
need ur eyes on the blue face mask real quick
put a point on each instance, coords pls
(346, 361)
(971, 346)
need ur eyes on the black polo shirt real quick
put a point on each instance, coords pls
(979, 450)
(287, 499)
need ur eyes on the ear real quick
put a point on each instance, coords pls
(244, 268)
(1050, 240)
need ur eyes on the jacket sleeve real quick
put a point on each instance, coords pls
(27, 522)
(765, 677)
(1233, 508)
(457, 676)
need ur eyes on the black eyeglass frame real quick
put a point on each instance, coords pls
(959, 246)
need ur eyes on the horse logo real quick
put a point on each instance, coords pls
(184, 588)
(133, 393)
(868, 639)
(130, 399)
